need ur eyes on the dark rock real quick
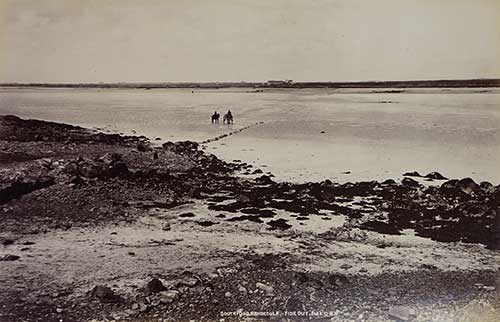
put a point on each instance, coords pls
(380, 227)
(187, 215)
(411, 174)
(105, 294)
(143, 147)
(9, 258)
(487, 187)
(206, 223)
(410, 183)
(266, 213)
(468, 186)
(118, 169)
(6, 241)
(257, 171)
(338, 280)
(109, 158)
(21, 187)
(449, 186)
(154, 286)
(389, 182)
(436, 176)
(251, 210)
(91, 170)
(265, 179)
(279, 224)
(253, 218)
(181, 147)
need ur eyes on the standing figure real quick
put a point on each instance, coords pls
(215, 117)
(228, 117)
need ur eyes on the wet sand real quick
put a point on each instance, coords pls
(372, 134)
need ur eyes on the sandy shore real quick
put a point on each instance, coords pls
(100, 227)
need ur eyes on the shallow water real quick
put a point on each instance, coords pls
(309, 134)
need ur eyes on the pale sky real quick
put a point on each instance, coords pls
(251, 40)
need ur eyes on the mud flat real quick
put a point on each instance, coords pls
(100, 227)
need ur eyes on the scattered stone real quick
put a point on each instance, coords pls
(168, 296)
(9, 258)
(268, 289)
(188, 281)
(402, 313)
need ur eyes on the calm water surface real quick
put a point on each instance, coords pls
(308, 134)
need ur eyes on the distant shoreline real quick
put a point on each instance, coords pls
(464, 83)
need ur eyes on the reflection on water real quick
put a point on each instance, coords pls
(307, 134)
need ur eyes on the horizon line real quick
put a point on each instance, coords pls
(255, 82)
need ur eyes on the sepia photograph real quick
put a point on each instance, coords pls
(249, 160)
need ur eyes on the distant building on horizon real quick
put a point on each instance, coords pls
(286, 82)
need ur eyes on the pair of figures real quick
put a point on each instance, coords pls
(228, 118)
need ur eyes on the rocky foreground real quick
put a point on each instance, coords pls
(105, 227)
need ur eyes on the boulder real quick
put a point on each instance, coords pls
(487, 187)
(411, 174)
(168, 296)
(402, 313)
(408, 182)
(143, 147)
(154, 286)
(265, 179)
(468, 186)
(118, 169)
(436, 176)
(267, 288)
(389, 182)
(105, 294)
